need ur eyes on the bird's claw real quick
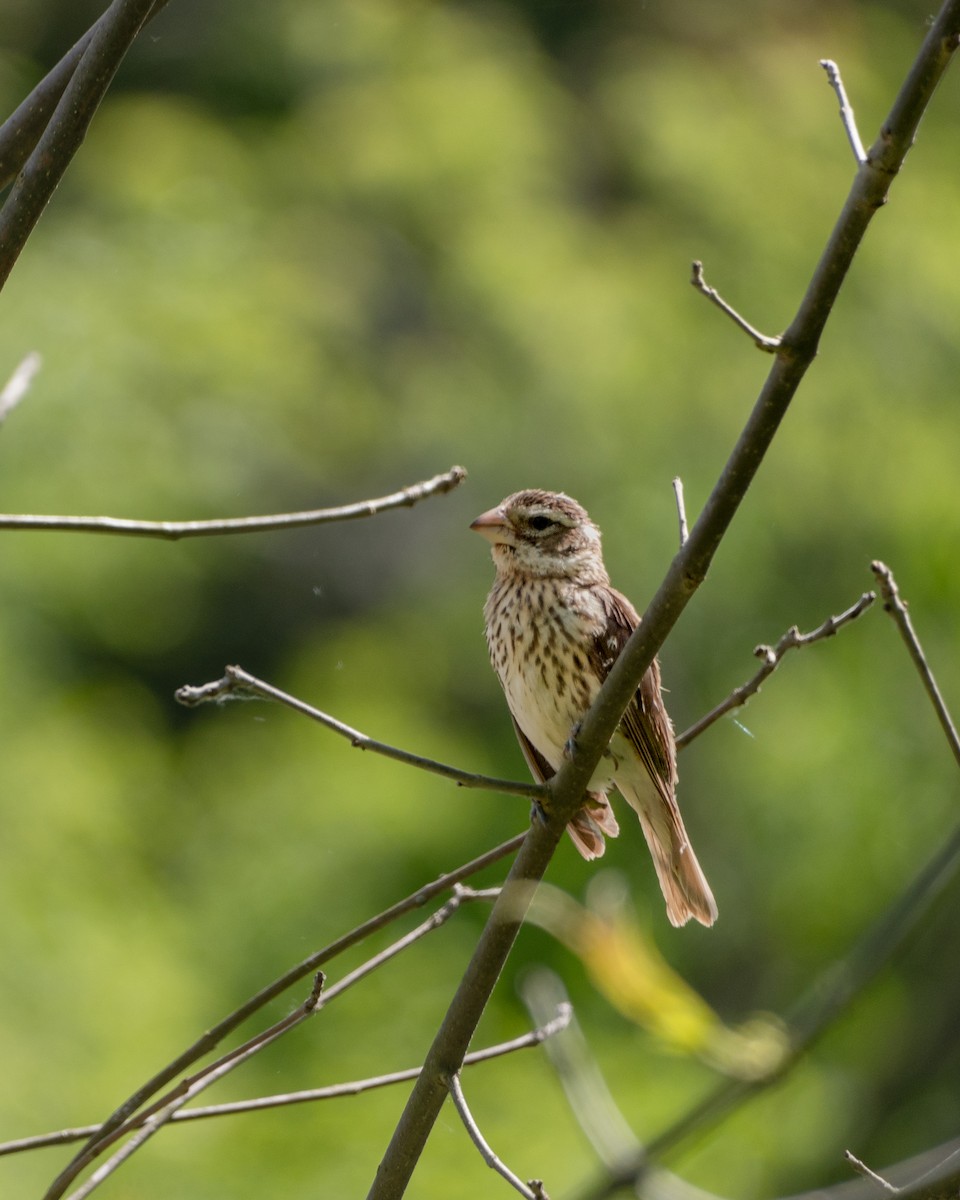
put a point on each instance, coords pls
(570, 745)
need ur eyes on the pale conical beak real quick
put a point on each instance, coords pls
(492, 525)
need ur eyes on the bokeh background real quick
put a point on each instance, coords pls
(313, 252)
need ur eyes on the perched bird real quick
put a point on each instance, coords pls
(554, 628)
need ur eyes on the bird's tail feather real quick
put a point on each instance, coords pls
(682, 880)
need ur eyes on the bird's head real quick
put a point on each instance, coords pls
(544, 534)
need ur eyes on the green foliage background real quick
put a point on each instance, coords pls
(312, 252)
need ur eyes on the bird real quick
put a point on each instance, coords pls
(554, 627)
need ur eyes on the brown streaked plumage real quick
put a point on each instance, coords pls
(554, 628)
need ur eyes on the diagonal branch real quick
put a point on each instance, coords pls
(239, 684)
(109, 41)
(793, 356)
(24, 127)
(771, 657)
(172, 531)
(901, 616)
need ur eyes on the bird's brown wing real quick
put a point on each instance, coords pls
(592, 821)
(645, 722)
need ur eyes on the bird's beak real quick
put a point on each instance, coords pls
(492, 525)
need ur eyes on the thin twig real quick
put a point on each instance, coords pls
(109, 42)
(240, 684)
(486, 1153)
(846, 110)
(681, 510)
(172, 531)
(862, 1169)
(535, 1037)
(897, 609)
(771, 657)
(768, 344)
(18, 384)
(308, 966)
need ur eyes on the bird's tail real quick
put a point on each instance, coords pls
(682, 880)
(681, 877)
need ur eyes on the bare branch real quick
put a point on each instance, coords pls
(486, 1153)
(771, 657)
(897, 609)
(846, 110)
(109, 42)
(535, 1037)
(681, 510)
(22, 130)
(760, 340)
(239, 684)
(172, 531)
(862, 1169)
(104, 1131)
(18, 384)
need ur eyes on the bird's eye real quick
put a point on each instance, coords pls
(540, 523)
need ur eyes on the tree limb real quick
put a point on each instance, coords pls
(172, 531)
(110, 39)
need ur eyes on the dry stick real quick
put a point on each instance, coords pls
(794, 354)
(862, 1169)
(760, 340)
(309, 966)
(846, 111)
(21, 131)
(898, 611)
(681, 510)
(172, 531)
(335, 1091)
(771, 657)
(486, 1152)
(110, 39)
(238, 683)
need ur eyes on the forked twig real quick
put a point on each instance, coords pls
(771, 657)
(769, 344)
(172, 531)
(240, 684)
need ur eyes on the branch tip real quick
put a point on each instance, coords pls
(769, 345)
(846, 110)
